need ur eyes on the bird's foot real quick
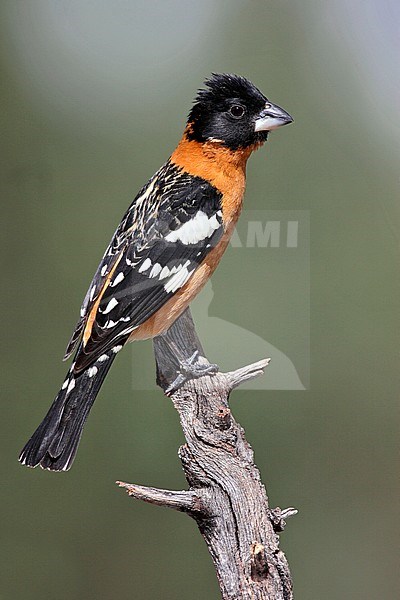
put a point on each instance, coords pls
(191, 368)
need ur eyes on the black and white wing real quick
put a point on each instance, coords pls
(163, 238)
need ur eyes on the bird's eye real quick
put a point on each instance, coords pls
(237, 111)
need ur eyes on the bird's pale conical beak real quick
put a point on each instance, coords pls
(272, 117)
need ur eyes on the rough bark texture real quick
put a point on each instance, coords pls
(226, 496)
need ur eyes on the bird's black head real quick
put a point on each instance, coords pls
(232, 111)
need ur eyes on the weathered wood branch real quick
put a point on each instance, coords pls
(226, 496)
(185, 501)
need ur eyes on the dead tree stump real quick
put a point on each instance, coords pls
(226, 496)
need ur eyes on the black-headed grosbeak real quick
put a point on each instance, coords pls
(167, 245)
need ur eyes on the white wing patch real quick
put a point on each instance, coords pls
(146, 264)
(112, 304)
(179, 278)
(176, 277)
(103, 358)
(71, 385)
(165, 273)
(196, 229)
(92, 371)
(120, 277)
(110, 323)
(155, 270)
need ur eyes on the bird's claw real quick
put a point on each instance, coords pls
(191, 369)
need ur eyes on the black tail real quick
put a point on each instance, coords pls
(54, 444)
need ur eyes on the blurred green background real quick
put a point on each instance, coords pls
(94, 97)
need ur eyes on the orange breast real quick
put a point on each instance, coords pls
(225, 169)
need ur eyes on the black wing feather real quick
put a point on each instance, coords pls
(139, 287)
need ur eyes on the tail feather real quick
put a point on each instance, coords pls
(54, 444)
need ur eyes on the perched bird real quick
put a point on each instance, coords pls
(166, 247)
